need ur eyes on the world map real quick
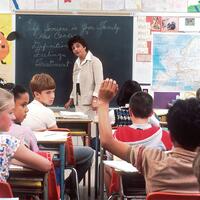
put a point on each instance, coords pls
(176, 62)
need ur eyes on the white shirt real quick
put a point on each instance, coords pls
(80, 64)
(39, 117)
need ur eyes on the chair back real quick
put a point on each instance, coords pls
(5, 190)
(172, 196)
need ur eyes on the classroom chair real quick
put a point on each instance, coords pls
(28, 184)
(70, 158)
(132, 186)
(5, 190)
(172, 196)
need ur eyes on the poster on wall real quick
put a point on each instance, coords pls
(145, 27)
(113, 4)
(46, 4)
(193, 6)
(164, 5)
(90, 5)
(133, 5)
(25, 5)
(189, 24)
(6, 62)
(5, 6)
(176, 61)
(69, 4)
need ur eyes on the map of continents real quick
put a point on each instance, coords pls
(176, 62)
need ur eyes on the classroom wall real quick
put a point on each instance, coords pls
(184, 13)
(92, 5)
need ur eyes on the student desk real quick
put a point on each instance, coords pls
(28, 181)
(132, 183)
(55, 138)
(77, 127)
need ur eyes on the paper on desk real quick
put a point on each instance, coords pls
(67, 114)
(15, 167)
(50, 135)
(121, 165)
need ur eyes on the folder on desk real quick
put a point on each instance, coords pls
(50, 135)
(74, 115)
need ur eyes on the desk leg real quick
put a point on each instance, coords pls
(62, 168)
(96, 182)
(101, 187)
(46, 192)
(89, 171)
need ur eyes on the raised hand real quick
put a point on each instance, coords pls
(108, 90)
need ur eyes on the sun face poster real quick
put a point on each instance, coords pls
(6, 64)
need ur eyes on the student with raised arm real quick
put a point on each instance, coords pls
(10, 147)
(139, 132)
(171, 171)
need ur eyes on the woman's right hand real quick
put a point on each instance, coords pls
(69, 103)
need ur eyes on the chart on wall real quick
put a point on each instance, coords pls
(176, 62)
(146, 26)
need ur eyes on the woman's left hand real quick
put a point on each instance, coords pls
(94, 103)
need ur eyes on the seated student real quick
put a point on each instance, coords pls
(40, 117)
(163, 171)
(120, 116)
(10, 146)
(23, 133)
(141, 132)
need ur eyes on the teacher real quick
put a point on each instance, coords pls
(87, 77)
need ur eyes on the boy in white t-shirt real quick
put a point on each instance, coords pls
(40, 117)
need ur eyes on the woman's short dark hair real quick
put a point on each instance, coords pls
(183, 121)
(76, 39)
(127, 90)
(141, 104)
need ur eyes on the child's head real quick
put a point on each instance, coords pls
(183, 121)
(43, 88)
(198, 94)
(141, 105)
(21, 97)
(6, 109)
(127, 90)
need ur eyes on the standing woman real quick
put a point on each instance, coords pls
(87, 78)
